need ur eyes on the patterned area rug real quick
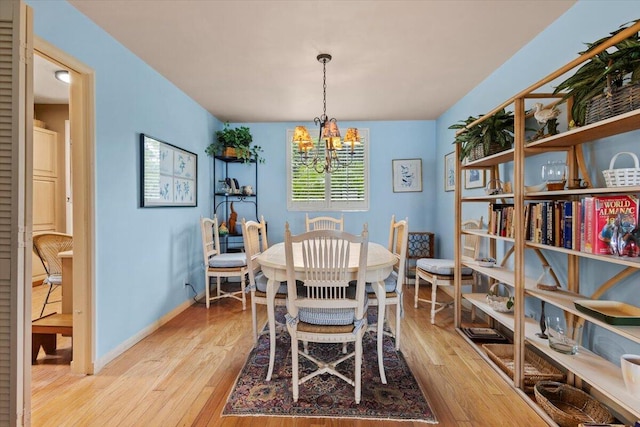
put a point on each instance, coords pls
(327, 395)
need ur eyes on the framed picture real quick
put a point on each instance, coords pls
(169, 174)
(450, 171)
(474, 178)
(407, 175)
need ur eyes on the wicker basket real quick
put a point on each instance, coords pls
(535, 367)
(500, 303)
(479, 151)
(624, 176)
(617, 101)
(569, 406)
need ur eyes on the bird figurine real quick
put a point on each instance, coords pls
(543, 115)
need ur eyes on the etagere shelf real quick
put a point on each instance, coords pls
(604, 378)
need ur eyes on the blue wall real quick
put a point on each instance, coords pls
(560, 43)
(143, 256)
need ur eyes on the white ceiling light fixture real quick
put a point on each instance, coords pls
(63, 76)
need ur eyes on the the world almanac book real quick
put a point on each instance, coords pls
(600, 216)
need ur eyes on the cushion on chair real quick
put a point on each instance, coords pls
(53, 279)
(261, 284)
(443, 267)
(389, 283)
(228, 260)
(329, 316)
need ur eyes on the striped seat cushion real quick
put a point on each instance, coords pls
(443, 267)
(329, 316)
(229, 260)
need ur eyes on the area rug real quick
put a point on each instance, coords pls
(326, 395)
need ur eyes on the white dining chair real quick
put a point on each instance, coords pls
(324, 223)
(327, 309)
(392, 294)
(254, 235)
(221, 265)
(440, 272)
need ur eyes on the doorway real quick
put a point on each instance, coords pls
(81, 131)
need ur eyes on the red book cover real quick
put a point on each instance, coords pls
(588, 225)
(605, 211)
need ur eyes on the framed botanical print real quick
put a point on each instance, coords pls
(407, 175)
(450, 171)
(168, 174)
(474, 178)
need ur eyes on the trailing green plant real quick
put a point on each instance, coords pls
(496, 129)
(606, 71)
(240, 139)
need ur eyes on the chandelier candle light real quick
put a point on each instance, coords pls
(329, 134)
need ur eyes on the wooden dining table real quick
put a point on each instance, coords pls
(380, 262)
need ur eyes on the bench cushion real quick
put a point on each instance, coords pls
(443, 267)
(228, 260)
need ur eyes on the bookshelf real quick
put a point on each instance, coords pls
(586, 370)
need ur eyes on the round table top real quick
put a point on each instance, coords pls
(378, 257)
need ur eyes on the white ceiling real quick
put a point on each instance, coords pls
(255, 61)
(46, 88)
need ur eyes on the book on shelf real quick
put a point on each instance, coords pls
(601, 214)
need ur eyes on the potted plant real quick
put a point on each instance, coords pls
(491, 136)
(235, 142)
(605, 80)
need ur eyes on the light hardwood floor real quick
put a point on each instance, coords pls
(181, 376)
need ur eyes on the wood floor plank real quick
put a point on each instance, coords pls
(182, 374)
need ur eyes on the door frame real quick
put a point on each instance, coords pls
(82, 130)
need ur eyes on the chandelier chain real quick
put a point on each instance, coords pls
(324, 87)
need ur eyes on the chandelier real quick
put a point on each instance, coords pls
(329, 135)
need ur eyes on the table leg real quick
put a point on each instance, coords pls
(271, 316)
(381, 296)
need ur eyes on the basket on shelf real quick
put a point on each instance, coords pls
(615, 101)
(495, 186)
(623, 176)
(535, 367)
(501, 304)
(568, 406)
(479, 151)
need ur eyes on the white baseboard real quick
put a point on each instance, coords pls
(126, 345)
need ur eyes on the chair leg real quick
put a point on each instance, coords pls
(207, 290)
(417, 288)
(434, 289)
(358, 367)
(254, 320)
(46, 299)
(398, 316)
(380, 332)
(294, 365)
(244, 296)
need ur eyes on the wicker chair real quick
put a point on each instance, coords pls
(255, 242)
(47, 246)
(326, 309)
(324, 223)
(398, 234)
(220, 265)
(440, 272)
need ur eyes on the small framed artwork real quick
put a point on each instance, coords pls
(168, 174)
(450, 171)
(474, 178)
(407, 175)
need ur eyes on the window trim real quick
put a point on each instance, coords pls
(327, 204)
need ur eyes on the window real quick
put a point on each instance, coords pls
(342, 190)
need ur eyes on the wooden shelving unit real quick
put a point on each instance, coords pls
(603, 378)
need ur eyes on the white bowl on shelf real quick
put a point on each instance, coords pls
(535, 188)
(486, 262)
